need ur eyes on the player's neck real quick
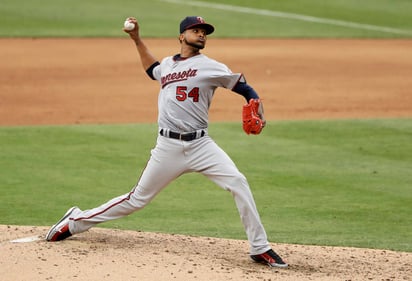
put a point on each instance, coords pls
(188, 51)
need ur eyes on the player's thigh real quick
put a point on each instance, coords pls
(215, 163)
(165, 164)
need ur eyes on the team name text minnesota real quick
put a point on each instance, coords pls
(178, 76)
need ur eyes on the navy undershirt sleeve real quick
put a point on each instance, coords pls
(245, 90)
(149, 71)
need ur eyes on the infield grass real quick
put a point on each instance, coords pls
(160, 18)
(346, 183)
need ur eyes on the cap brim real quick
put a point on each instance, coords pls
(208, 27)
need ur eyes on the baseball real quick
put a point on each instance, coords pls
(128, 25)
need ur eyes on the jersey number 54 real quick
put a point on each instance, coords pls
(182, 93)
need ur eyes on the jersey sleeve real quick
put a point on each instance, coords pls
(149, 71)
(156, 73)
(223, 77)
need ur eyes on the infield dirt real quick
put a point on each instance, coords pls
(76, 81)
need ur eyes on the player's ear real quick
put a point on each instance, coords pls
(181, 36)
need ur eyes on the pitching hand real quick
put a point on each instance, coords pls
(134, 33)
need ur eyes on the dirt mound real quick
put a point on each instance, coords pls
(106, 254)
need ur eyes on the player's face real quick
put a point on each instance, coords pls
(195, 37)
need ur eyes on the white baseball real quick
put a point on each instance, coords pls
(128, 25)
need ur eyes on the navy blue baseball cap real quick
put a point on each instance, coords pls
(194, 21)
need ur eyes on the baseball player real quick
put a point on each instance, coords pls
(187, 83)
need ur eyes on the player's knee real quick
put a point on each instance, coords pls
(237, 183)
(139, 198)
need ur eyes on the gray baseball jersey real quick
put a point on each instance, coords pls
(187, 88)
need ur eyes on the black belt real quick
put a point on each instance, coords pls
(184, 137)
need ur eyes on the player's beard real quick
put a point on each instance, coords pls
(196, 45)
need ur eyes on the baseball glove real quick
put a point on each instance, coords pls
(252, 117)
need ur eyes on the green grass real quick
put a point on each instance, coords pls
(104, 18)
(342, 182)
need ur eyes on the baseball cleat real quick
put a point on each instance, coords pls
(270, 258)
(60, 230)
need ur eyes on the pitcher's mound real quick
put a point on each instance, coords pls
(107, 254)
